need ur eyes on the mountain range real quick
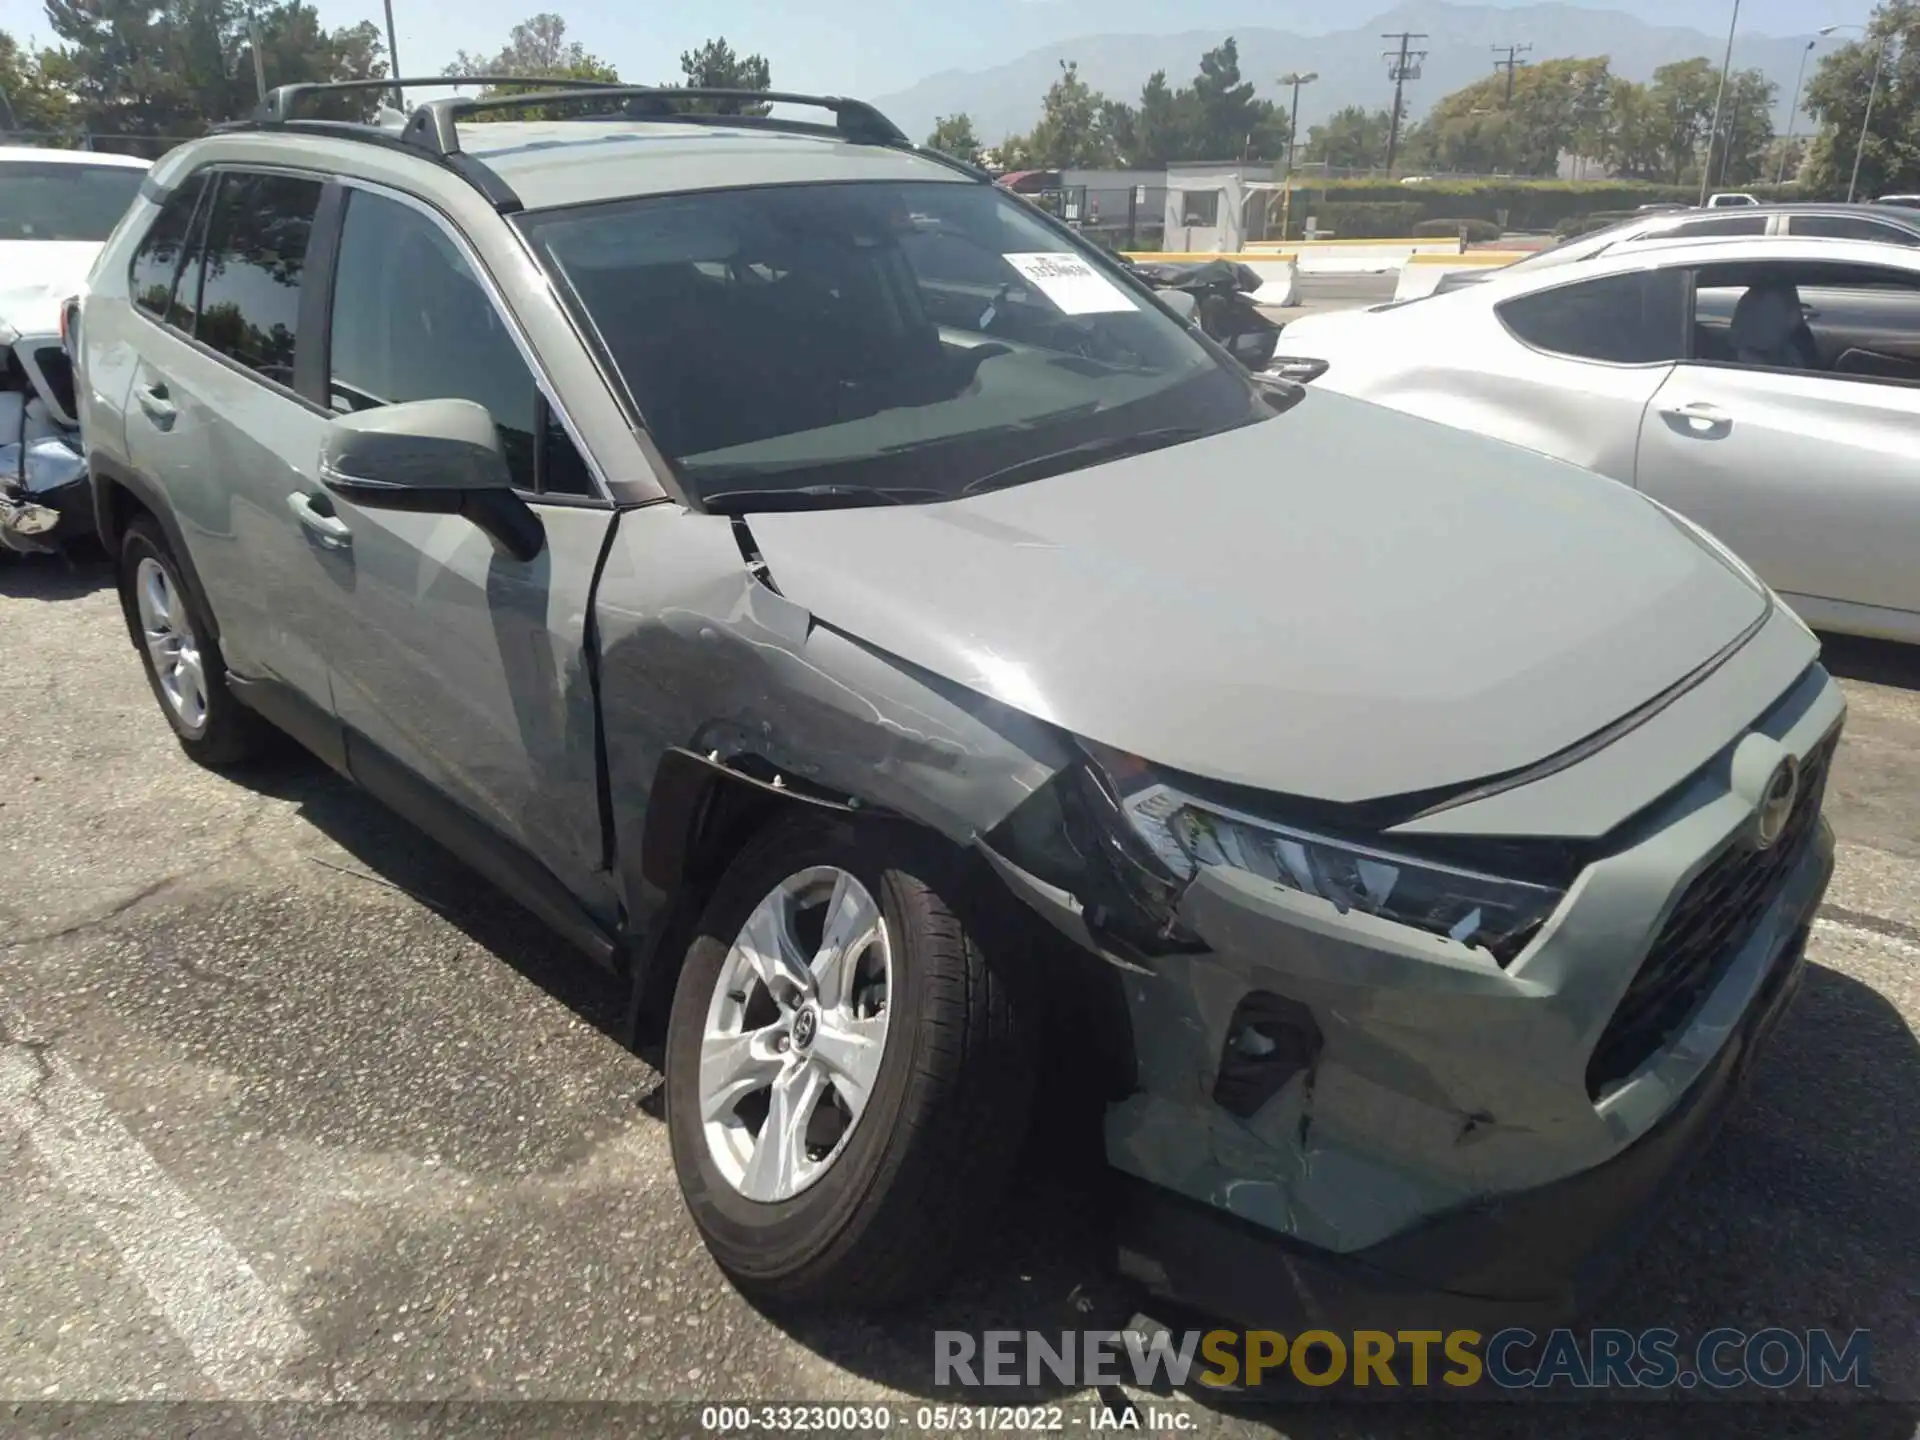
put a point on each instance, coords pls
(1004, 99)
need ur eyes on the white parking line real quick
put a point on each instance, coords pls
(239, 1331)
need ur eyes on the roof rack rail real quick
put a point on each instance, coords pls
(277, 106)
(433, 126)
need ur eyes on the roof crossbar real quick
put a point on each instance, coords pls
(433, 126)
(278, 105)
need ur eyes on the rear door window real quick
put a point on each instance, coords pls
(256, 253)
(156, 264)
(1734, 224)
(1632, 319)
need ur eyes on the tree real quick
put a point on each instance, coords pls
(1353, 138)
(1837, 99)
(953, 135)
(1071, 131)
(34, 101)
(1679, 111)
(538, 48)
(714, 66)
(1225, 120)
(167, 70)
(1737, 153)
(1557, 107)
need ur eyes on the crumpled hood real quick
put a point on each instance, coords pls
(36, 277)
(1344, 602)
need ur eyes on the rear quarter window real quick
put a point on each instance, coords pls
(1632, 319)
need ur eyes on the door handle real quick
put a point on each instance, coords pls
(1698, 421)
(329, 530)
(158, 405)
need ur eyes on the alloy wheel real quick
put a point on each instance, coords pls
(171, 643)
(795, 1033)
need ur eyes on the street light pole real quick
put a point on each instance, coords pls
(1719, 96)
(1295, 78)
(1860, 146)
(1793, 110)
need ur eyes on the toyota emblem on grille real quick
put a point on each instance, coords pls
(1776, 805)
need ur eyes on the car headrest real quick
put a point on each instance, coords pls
(1766, 320)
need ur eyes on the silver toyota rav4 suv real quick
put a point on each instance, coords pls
(831, 593)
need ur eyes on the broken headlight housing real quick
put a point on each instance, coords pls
(1471, 908)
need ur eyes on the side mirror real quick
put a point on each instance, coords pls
(1183, 303)
(432, 456)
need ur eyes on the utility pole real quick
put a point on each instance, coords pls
(1402, 65)
(259, 63)
(1719, 96)
(1510, 64)
(1295, 78)
(393, 60)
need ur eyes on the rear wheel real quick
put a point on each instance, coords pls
(183, 661)
(849, 1071)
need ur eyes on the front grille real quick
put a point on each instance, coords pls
(1713, 919)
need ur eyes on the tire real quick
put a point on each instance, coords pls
(894, 1197)
(214, 728)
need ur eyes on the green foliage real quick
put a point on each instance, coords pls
(539, 49)
(953, 135)
(1524, 204)
(144, 71)
(715, 66)
(1349, 139)
(1362, 219)
(1479, 232)
(1837, 98)
(36, 101)
(1555, 106)
(1216, 117)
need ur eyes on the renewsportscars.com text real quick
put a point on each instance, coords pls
(1722, 1359)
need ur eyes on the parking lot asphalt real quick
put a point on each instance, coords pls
(293, 1108)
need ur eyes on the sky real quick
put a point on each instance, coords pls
(874, 47)
(814, 47)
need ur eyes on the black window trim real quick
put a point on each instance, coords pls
(1682, 321)
(544, 389)
(216, 170)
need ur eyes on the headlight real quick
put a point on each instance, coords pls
(1467, 907)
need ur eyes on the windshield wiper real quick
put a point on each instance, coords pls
(811, 497)
(1087, 452)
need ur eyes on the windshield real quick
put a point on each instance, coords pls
(61, 200)
(877, 342)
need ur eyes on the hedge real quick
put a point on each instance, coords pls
(1479, 232)
(1511, 204)
(1372, 219)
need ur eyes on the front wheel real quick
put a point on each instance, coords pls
(849, 1072)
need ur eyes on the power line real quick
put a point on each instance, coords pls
(1402, 65)
(1510, 64)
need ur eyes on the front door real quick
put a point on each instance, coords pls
(456, 662)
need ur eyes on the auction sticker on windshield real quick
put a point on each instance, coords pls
(1071, 283)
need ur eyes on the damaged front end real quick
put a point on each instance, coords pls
(1379, 1077)
(45, 500)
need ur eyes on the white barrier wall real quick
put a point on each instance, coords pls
(1420, 274)
(1354, 257)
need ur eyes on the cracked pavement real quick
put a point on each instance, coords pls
(292, 1107)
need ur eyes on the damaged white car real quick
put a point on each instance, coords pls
(57, 208)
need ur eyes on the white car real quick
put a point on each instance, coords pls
(1767, 389)
(1726, 199)
(57, 208)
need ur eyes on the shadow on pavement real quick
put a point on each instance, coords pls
(1800, 1215)
(396, 854)
(1877, 662)
(53, 577)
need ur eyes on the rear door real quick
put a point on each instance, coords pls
(458, 665)
(217, 418)
(1575, 368)
(1809, 475)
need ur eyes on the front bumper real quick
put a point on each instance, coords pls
(46, 499)
(1443, 1134)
